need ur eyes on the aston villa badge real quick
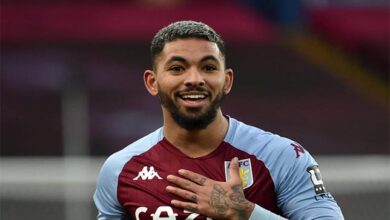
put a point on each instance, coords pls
(245, 172)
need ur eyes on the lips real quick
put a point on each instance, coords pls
(193, 99)
(193, 96)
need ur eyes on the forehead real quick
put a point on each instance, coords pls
(190, 49)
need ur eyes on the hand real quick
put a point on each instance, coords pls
(217, 200)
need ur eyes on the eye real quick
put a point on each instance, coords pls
(209, 68)
(176, 69)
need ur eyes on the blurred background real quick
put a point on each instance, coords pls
(72, 91)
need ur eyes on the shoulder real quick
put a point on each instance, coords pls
(256, 141)
(116, 161)
(298, 184)
(282, 156)
(105, 196)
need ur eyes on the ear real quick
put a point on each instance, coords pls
(150, 81)
(228, 80)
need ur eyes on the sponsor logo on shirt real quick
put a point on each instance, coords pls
(164, 212)
(245, 172)
(147, 174)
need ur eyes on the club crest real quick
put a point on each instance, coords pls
(245, 172)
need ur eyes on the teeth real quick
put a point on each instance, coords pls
(198, 96)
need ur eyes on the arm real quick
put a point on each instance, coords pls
(105, 196)
(300, 187)
(218, 200)
(263, 214)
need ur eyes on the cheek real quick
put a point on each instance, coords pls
(162, 83)
(218, 84)
(166, 88)
(170, 84)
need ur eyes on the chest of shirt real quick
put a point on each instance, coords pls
(142, 182)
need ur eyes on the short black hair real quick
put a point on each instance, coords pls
(184, 30)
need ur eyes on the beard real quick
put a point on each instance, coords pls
(194, 120)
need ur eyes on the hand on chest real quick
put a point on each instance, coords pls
(143, 181)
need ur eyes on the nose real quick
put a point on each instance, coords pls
(194, 78)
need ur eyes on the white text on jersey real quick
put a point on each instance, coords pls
(165, 211)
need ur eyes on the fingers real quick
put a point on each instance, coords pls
(183, 193)
(183, 183)
(234, 171)
(188, 186)
(187, 191)
(194, 177)
(192, 207)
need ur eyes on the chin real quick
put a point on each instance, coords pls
(195, 120)
(194, 113)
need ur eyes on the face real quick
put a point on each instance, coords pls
(191, 81)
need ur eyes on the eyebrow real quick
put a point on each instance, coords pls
(177, 58)
(182, 60)
(210, 57)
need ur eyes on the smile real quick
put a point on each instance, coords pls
(193, 99)
(193, 96)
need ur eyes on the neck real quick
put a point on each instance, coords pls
(199, 142)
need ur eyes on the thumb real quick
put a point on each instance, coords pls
(234, 171)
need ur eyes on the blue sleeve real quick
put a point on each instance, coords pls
(300, 188)
(298, 184)
(263, 214)
(105, 196)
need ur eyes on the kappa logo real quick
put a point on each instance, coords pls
(146, 174)
(245, 172)
(298, 149)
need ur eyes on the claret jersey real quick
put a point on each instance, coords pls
(277, 174)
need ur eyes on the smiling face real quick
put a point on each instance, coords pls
(191, 80)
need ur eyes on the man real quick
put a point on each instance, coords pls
(203, 164)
